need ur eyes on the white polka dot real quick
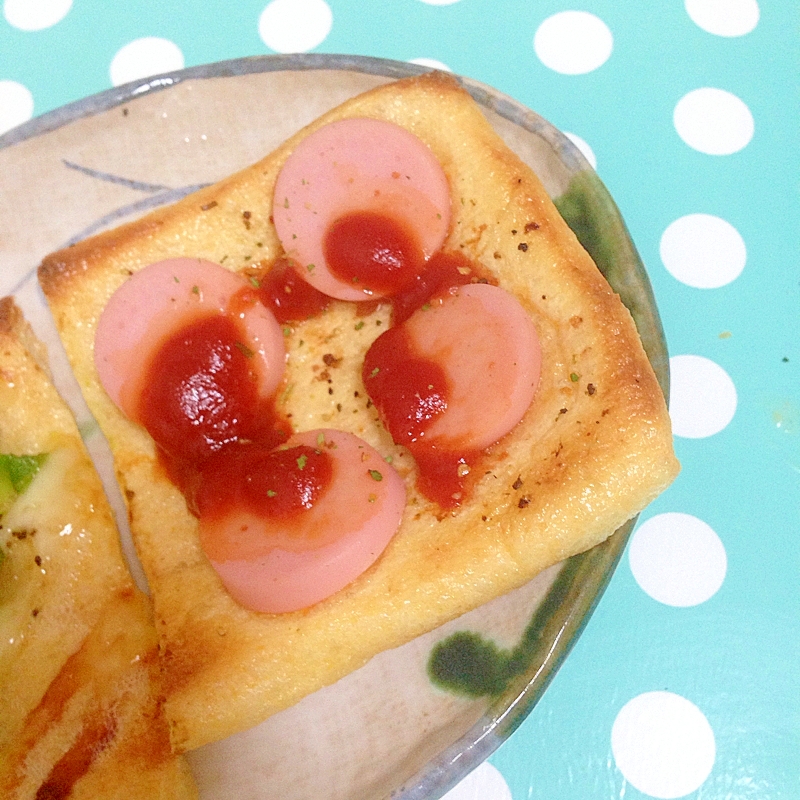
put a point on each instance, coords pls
(35, 15)
(713, 121)
(724, 17)
(702, 397)
(295, 26)
(432, 63)
(573, 42)
(677, 559)
(142, 58)
(484, 783)
(16, 105)
(703, 251)
(663, 745)
(587, 151)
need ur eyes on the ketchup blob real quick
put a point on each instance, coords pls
(351, 167)
(200, 392)
(288, 296)
(161, 300)
(443, 270)
(408, 390)
(375, 252)
(277, 483)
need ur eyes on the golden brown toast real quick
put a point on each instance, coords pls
(594, 448)
(80, 708)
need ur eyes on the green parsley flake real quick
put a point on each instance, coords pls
(574, 377)
(16, 473)
(255, 283)
(302, 461)
(359, 325)
(244, 349)
(271, 493)
(375, 475)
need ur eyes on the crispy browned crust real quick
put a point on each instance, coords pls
(9, 314)
(80, 694)
(594, 448)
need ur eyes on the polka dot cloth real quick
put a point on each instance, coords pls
(484, 781)
(663, 744)
(573, 42)
(731, 18)
(35, 15)
(143, 58)
(713, 121)
(16, 105)
(685, 682)
(295, 26)
(703, 251)
(677, 559)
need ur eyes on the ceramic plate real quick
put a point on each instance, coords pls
(415, 720)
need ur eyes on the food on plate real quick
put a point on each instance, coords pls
(486, 300)
(355, 187)
(80, 707)
(287, 558)
(452, 380)
(163, 300)
(186, 349)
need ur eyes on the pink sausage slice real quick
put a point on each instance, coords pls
(356, 165)
(165, 296)
(360, 510)
(487, 345)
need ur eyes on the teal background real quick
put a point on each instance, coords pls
(736, 656)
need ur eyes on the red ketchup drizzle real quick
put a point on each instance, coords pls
(288, 296)
(201, 406)
(373, 251)
(440, 476)
(442, 271)
(199, 393)
(409, 393)
(278, 484)
(379, 253)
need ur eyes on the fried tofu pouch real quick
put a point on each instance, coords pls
(80, 711)
(594, 448)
